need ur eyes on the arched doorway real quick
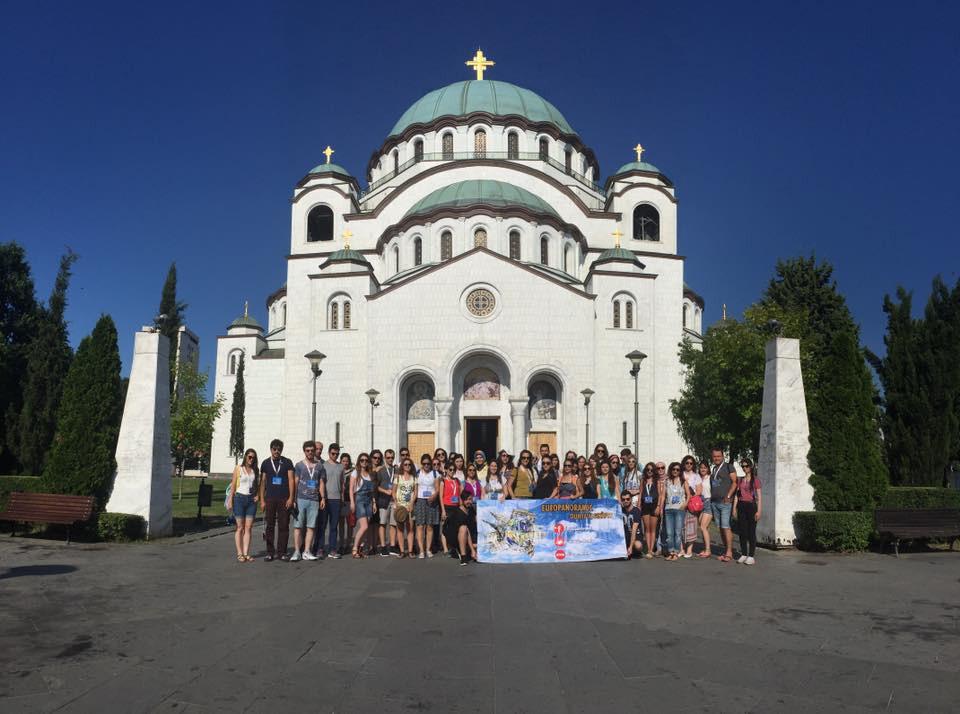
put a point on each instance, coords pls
(480, 414)
(418, 417)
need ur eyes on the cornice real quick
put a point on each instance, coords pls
(628, 187)
(332, 187)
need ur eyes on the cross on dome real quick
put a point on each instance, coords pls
(617, 235)
(639, 149)
(347, 235)
(328, 152)
(479, 63)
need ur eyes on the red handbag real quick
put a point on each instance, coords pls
(695, 504)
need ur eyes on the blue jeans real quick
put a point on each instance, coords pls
(329, 518)
(673, 518)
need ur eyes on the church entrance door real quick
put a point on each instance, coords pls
(482, 434)
(420, 443)
(535, 438)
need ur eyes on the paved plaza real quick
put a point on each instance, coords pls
(182, 627)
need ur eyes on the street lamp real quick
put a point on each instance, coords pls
(315, 358)
(636, 357)
(587, 393)
(372, 395)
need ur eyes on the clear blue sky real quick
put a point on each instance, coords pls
(139, 135)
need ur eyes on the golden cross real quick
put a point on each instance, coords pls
(347, 235)
(617, 234)
(639, 149)
(246, 308)
(328, 152)
(479, 63)
(724, 318)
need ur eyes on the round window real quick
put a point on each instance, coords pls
(481, 302)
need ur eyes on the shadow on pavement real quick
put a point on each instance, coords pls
(24, 570)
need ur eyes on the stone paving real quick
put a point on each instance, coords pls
(183, 627)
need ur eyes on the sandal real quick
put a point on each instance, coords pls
(704, 554)
(241, 559)
(357, 555)
(249, 558)
(723, 558)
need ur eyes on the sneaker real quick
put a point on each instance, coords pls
(285, 557)
(268, 557)
(421, 556)
(429, 554)
(295, 557)
(463, 560)
(384, 552)
(336, 556)
(396, 552)
(742, 559)
(750, 561)
(310, 556)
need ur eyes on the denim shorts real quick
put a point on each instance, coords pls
(721, 513)
(308, 511)
(244, 506)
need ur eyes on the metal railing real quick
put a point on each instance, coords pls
(472, 155)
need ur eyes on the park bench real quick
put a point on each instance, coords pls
(906, 524)
(47, 508)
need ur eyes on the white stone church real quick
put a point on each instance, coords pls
(480, 282)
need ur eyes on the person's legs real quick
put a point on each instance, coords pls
(270, 519)
(332, 521)
(748, 529)
(430, 536)
(247, 531)
(723, 521)
(742, 529)
(705, 517)
(649, 532)
(463, 540)
(420, 546)
(309, 543)
(673, 527)
(361, 531)
(283, 529)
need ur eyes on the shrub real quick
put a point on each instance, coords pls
(120, 527)
(23, 484)
(842, 531)
(920, 497)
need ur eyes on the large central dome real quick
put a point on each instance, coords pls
(485, 95)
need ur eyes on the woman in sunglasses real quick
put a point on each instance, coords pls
(691, 520)
(747, 503)
(524, 480)
(675, 506)
(362, 504)
(651, 505)
(243, 500)
(404, 496)
(426, 511)
(569, 484)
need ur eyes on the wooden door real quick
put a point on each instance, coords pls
(420, 443)
(541, 437)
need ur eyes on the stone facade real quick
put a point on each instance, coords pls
(547, 300)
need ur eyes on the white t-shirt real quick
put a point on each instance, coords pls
(245, 481)
(693, 480)
(493, 488)
(706, 488)
(425, 481)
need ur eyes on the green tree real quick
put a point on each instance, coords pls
(237, 409)
(192, 419)
(804, 286)
(48, 360)
(82, 461)
(18, 306)
(170, 318)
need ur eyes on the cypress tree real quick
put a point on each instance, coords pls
(237, 409)
(48, 359)
(802, 284)
(88, 423)
(18, 306)
(173, 311)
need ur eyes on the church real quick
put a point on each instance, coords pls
(482, 290)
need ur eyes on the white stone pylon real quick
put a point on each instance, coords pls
(784, 443)
(144, 464)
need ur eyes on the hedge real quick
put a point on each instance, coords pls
(12, 484)
(920, 497)
(120, 527)
(843, 531)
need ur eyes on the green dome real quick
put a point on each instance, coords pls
(480, 192)
(246, 321)
(618, 254)
(637, 166)
(485, 95)
(347, 254)
(329, 168)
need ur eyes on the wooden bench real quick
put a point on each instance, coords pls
(906, 524)
(47, 508)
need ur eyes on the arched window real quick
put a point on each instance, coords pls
(233, 361)
(684, 315)
(566, 258)
(480, 238)
(513, 145)
(320, 224)
(396, 259)
(420, 400)
(396, 162)
(339, 312)
(334, 316)
(629, 305)
(283, 315)
(417, 251)
(646, 222)
(698, 325)
(544, 146)
(346, 315)
(544, 251)
(446, 245)
(542, 397)
(447, 146)
(480, 144)
(568, 161)
(624, 311)
(616, 314)
(515, 245)
(418, 150)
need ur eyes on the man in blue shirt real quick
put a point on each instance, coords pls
(276, 495)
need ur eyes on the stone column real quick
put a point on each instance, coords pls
(144, 465)
(518, 415)
(444, 432)
(784, 443)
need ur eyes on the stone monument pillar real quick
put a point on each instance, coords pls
(784, 443)
(143, 484)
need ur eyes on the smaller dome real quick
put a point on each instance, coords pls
(481, 192)
(330, 169)
(246, 321)
(621, 255)
(346, 255)
(637, 166)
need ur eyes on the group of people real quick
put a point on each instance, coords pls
(387, 504)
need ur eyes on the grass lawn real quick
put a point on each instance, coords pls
(185, 508)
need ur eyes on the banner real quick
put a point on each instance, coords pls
(549, 531)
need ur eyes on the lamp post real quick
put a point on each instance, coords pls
(636, 357)
(587, 393)
(315, 358)
(372, 395)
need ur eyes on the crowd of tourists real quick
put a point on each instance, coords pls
(391, 504)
